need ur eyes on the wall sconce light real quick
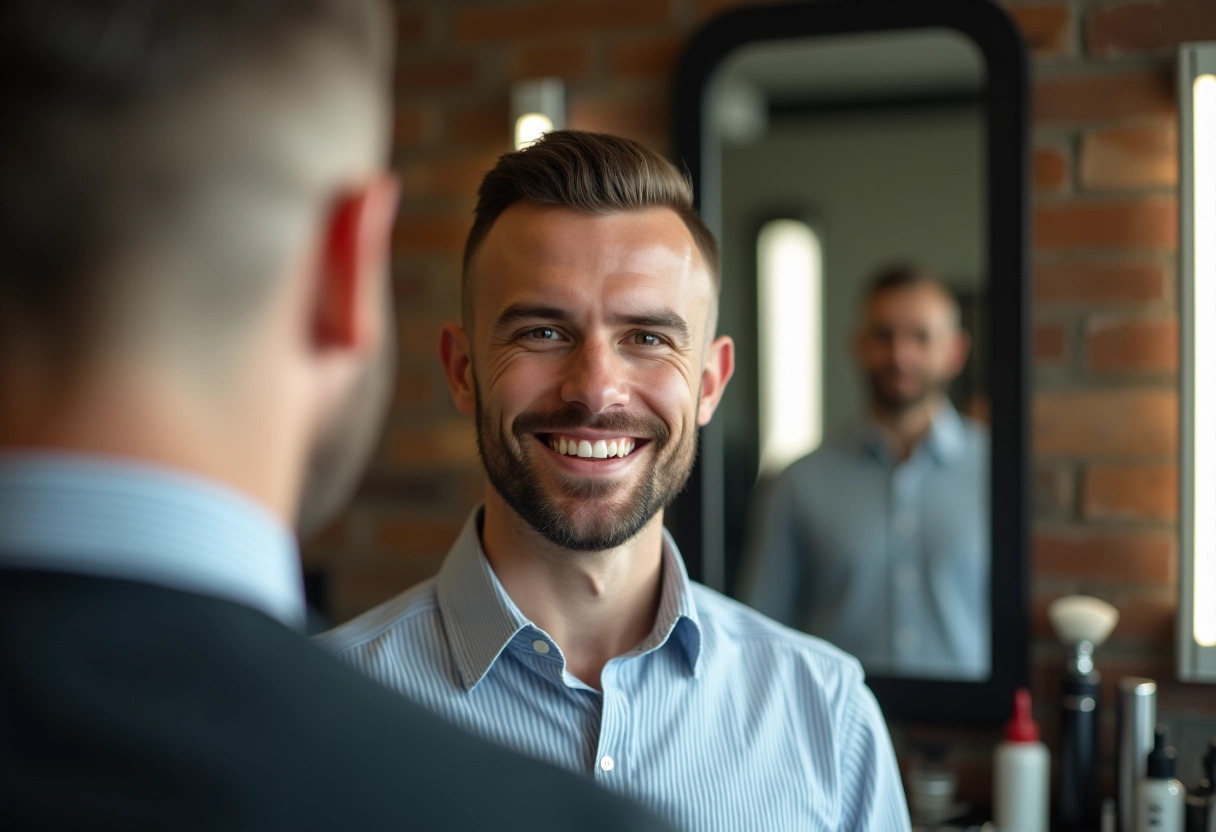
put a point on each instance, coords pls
(1197, 272)
(789, 272)
(538, 106)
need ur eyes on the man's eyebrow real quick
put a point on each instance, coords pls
(527, 311)
(659, 319)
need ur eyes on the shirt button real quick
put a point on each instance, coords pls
(540, 646)
(606, 763)
(906, 523)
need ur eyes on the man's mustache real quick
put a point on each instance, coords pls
(573, 417)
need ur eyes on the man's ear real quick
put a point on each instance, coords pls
(719, 367)
(457, 358)
(961, 350)
(348, 309)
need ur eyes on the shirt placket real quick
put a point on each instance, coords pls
(613, 760)
(904, 575)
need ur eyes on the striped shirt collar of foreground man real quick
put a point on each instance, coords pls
(481, 619)
(721, 719)
(112, 518)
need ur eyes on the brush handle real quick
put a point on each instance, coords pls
(1078, 784)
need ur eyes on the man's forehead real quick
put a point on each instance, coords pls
(926, 302)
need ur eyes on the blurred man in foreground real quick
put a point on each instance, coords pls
(194, 227)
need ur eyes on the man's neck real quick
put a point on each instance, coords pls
(906, 428)
(595, 605)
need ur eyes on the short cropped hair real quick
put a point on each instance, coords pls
(591, 172)
(896, 276)
(171, 139)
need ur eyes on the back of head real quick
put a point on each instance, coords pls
(161, 160)
(902, 276)
(590, 172)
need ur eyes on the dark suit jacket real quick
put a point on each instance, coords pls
(126, 706)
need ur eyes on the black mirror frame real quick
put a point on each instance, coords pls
(696, 517)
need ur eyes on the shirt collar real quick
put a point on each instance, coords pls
(480, 619)
(945, 441)
(132, 521)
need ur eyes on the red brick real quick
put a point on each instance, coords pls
(1106, 422)
(357, 587)
(1130, 492)
(411, 27)
(1050, 168)
(413, 126)
(417, 387)
(1052, 490)
(645, 57)
(1145, 618)
(570, 61)
(1146, 222)
(1101, 97)
(427, 232)
(433, 74)
(1139, 156)
(446, 444)
(1155, 26)
(420, 342)
(1050, 343)
(498, 21)
(413, 534)
(1044, 27)
(454, 175)
(482, 123)
(1100, 283)
(1118, 345)
(641, 115)
(1142, 557)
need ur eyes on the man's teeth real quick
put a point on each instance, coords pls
(599, 449)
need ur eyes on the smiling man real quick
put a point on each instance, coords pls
(562, 622)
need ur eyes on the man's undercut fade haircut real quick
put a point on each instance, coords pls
(591, 172)
(899, 276)
(149, 145)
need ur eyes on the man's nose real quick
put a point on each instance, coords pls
(596, 377)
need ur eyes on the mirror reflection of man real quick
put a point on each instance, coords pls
(878, 541)
(562, 621)
(195, 222)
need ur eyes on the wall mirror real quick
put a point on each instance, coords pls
(834, 144)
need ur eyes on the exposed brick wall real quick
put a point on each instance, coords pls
(1104, 410)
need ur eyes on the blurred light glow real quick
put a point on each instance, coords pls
(789, 263)
(530, 127)
(1204, 236)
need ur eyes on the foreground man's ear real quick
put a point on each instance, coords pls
(348, 309)
(457, 362)
(719, 367)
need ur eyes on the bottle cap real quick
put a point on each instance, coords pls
(1161, 759)
(1022, 728)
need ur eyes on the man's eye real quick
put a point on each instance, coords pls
(542, 333)
(647, 339)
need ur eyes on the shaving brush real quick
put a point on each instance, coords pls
(1082, 624)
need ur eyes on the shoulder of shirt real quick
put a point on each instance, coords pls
(418, 600)
(737, 623)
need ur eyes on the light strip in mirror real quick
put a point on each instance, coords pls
(789, 261)
(1204, 240)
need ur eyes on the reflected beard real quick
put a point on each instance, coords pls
(896, 403)
(582, 515)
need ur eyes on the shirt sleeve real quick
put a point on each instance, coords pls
(773, 573)
(873, 796)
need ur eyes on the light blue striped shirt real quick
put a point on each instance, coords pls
(888, 560)
(720, 720)
(109, 518)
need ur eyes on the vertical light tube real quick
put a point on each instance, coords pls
(789, 262)
(538, 105)
(1203, 235)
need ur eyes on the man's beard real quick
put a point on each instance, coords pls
(575, 518)
(895, 403)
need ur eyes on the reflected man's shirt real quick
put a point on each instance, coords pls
(889, 561)
(719, 720)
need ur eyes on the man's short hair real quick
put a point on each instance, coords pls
(897, 276)
(159, 154)
(591, 172)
